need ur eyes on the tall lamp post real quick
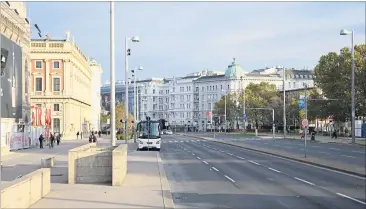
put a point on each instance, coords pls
(345, 32)
(113, 83)
(284, 103)
(127, 53)
(135, 100)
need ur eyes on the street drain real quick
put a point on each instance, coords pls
(180, 198)
(56, 174)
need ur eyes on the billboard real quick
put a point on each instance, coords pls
(11, 79)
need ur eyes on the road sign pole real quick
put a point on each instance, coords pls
(306, 118)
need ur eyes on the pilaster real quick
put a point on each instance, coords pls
(47, 89)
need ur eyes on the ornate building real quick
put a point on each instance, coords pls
(62, 80)
(15, 43)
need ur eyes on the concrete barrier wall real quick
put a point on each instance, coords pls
(27, 190)
(90, 164)
(119, 166)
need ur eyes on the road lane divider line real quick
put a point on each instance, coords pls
(351, 198)
(215, 169)
(274, 170)
(359, 152)
(307, 182)
(327, 153)
(334, 149)
(193, 154)
(240, 157)
(205, 162)
(348, 156)
(199, 158)
(232, 180)
(254, 162)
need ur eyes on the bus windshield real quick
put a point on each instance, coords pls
(154, 132)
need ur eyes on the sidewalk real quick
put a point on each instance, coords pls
(322, 139)
(145, 186)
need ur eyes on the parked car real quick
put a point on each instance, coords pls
(169, 132)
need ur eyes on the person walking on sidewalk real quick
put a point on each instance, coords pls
(41, 141)
(52, 140)
(58, 139)
(77, 135)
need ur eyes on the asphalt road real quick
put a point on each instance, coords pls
(204, 174)
(349, 154)
(26, 161)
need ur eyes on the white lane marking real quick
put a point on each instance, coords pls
(288, 147)
(193, 154)
(315, 146)
(205, 162)
(274, 170)
(188, 151)
(351, 198)
(265, 143)
(334, 149)
(232, 180)
(358, 152)
(253, 162)
(304, 181)
(175, 141)
(348, 156)
(240, 157)
(215, 169)
(199, 158)
(181, 141)
(327, 153)
(222, 151)
(229, 153)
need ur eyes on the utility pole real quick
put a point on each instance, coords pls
(306, 116)
(113, 99)
(284, 103)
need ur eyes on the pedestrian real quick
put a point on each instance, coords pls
(52, 139)
(77, 135)
(41, 141)
(99, 133)
(58, 139)
(94, 139)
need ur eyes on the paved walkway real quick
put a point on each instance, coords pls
(324, 139)
(145, 186)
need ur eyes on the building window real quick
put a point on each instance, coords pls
(38, 64)
(56, 64)
(56, 125)
(38, 84)
(153, 91)
(56, 107)
(221, 87)
(56, 84)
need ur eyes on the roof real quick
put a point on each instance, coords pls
(210, 77)
(234, 70)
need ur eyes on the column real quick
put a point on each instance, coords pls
(47, 77)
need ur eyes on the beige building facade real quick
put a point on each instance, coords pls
(61, 81)
(15, 36)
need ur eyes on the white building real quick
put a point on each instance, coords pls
(95, 94)
(186, 100)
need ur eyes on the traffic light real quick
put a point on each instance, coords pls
(128, 52)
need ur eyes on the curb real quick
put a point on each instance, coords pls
(287, 157)
(165, 188)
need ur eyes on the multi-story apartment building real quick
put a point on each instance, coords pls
(61, 81)
(188, 100)
(15, 43)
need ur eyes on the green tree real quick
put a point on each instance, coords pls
(104, 118)
(232, 108)
(121, 115)
(333, 76)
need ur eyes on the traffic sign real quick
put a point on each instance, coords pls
(245, 117)
(305, 123)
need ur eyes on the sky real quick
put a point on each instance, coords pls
(178, 38)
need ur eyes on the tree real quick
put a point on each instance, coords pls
(333, 76)
(121, 115)
(104, 118)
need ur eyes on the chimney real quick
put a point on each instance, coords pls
(67, 35)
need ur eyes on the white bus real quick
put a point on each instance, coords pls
(149, 136)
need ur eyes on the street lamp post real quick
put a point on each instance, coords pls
(306, 116)
(127, 53)
(284, 103)
(244, 115)
(353, 114)
(113, 83)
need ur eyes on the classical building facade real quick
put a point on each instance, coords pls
(15, 43)
(96, 108)
(62, 81)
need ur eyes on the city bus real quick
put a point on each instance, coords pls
(149, 134)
